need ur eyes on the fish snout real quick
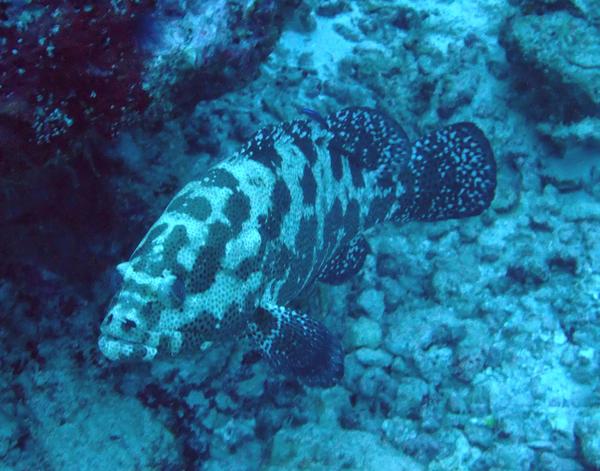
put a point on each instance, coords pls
(115, 349)
(122, 338)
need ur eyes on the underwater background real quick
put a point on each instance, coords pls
(469, 344)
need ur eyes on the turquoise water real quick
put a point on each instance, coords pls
(453, 343)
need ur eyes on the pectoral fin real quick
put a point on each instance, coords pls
(297, 345)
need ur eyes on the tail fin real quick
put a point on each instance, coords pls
(451, 174)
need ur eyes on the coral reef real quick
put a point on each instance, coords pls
(69, 71)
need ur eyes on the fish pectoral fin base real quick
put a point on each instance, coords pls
(297, 346)
(346, 262)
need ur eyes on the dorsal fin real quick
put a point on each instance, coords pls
(368, 138)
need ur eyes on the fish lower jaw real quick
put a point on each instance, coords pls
(118, 349)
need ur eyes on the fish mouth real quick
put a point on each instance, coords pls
(117, 348)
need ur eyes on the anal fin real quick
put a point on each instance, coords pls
(346, 262)
(298, 346)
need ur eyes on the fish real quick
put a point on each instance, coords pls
(238, 245)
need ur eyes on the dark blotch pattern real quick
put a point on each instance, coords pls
(197, 207)
(262, 147)
(237, 210)
(276, 261)
(233, 320)
(208, 261)
(336, 161)
(333, 221)
(351, 220)
(201, 328)
(246, 267)
(205, 269)
(302, 139)
(150, 312)
(281, 200)
(176, 240)
(357, 176)
(306, 244)
(309, 186)
(218, 235)
(220, 178)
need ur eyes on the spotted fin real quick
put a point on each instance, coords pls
(297, 346)
(368, 138)
(451, 174)
(346, 262)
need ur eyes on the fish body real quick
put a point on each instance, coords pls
(257, 230)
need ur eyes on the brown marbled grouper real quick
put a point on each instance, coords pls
(234, 247)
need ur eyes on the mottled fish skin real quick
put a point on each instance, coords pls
(262, 226)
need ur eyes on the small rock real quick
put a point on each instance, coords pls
(346, 32)
(513, 456)
(508, 192)
(224, 402)
(399, 431)
(197, 400)
(315, 447)
(372, 302)
(560, 48)
(421, 330)
(233, 432)
(364, 332)
(462, 454)
(253, 387)
(8, 433)
(371, 357)
(409, 396)
(470, 361)
(579, 206)
(573, 134)
(480, 435)
(400, 366)
(353, 370)
(586, 431)
(331, 8)
(435, 364)
(551, 462)
(375, 382)
(393, 291)
(424, 447)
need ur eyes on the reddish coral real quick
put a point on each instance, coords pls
(69, 69)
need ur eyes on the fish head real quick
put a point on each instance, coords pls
(135, 323)
(169, 305)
